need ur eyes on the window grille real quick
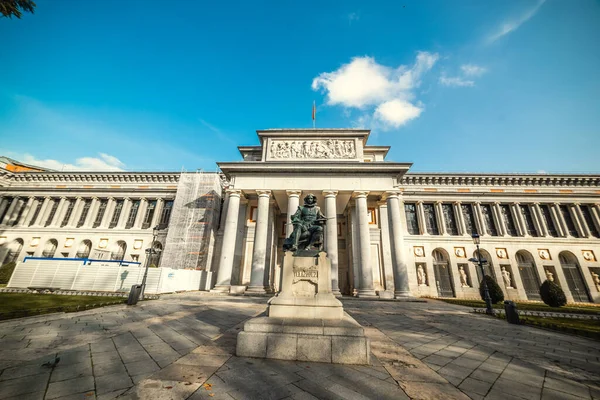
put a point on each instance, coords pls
(101, 211)
(412, 222)
(450, 219)
(116, 214)
(68, 213)
(508, 220)
(52, 212)
(530, 226)
(132, 214)
(547, 216)
(430, 219)
(470, 226)
(569, 221)
(486, 211)
(84, 212)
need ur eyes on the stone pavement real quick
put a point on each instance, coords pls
(182, 346)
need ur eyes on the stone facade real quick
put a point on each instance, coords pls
(390, 233)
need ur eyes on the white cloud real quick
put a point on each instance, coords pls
(367, 85)
(353, 17)
(104, 162)
(455, 81)
(514, 24)
(472, 70)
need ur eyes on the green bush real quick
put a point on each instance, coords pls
(495, 292)
(6, 271)
(152, 266)
(552, 294)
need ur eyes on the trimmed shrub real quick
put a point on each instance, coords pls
(552, 294)
(495, 292)
(6, 272)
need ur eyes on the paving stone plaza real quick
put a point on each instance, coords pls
(182, 346)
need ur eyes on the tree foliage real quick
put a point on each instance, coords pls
(552, 294)
(495, 292)
(6, 272)
(8, 8)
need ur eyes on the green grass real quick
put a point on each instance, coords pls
(576, 309)
(581, 327)
(16, 305)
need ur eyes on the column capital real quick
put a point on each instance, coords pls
(577, 204)
(536, 203)
(233, 192)
(360, 193)
(330, 193)
(263, 193)
(391, 194)
(293, 193)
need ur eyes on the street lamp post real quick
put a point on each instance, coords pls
(486, 292)
(149, 252)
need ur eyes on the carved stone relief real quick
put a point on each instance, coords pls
(315, 149)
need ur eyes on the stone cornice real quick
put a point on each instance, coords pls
(311, 167)
(97, 177)
(523, 180)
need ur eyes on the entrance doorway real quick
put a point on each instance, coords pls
(441, 269)
(570, 267)
(529, 277)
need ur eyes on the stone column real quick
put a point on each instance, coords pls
(595, 210)
(58, 212)
(460, 218)
(364, 236)
(292, 207)
(536, 213)
(157, 211)
(125, 210)
(401, 286)
(27, 214)
(421, 218)
(579, 221)
(3, 204)
(11, 210)
(110, 205)
(74, 217)
(40, 216)
(559, 221)
(501, 224)
(91, 215)
(259, 251)
(223, 283)
(331, 238)
(441, 220)
(139, 218)
(15, 214)
(479, 224)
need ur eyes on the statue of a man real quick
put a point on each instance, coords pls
(308, 224)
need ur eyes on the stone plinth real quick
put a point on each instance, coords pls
(319, 340)
(305, 321)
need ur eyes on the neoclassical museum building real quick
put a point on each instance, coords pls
(390, 233)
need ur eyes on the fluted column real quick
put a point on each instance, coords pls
(421, 218)
(331, 241)
(364, 237)
(74, 217)
(292, 207)
(40, 216)
(595, 211)
(401, 286)
(29, 211)
(579, 221)
(259, 251)
(441, 219)
(110, 207)
(3, 204)
(536, 212)
(89, 218)
(16, 212)
(479, 224)
(501, 224)
(559, 221)
(125, 210)
(515, 212)
(11, 210)
(157, 211)
(139, 218)
(229, 236)
(58, 212)
(460, 218)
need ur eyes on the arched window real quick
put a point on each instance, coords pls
(529, 276)
(118, 251)
(488, 267)
(83, 251)
(572, 272)
(50, 248)
(14, 250)
(155, 256)
(441, 269)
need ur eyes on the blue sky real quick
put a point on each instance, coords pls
(459, 86)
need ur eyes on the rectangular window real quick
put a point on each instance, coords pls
(569, 221)
(450, 219)
(586, 210)
(36, 212)
(412, 223)
(166, 214)
(547, 216)
(116, 214)
(508, 219)
(470, 226)
(430, 219)
(84, 212)
(529, 224)
(488, 218)
(52, 212)
(372, 216)
(68, 213)
(253, 214)
(135, 205)
(101, 211)
(149, 214)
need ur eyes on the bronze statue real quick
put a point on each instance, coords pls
(308, 224)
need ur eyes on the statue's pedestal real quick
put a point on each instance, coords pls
(305, 321)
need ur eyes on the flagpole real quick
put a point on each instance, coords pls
(314, 114)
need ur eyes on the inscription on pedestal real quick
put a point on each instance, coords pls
(306, 281)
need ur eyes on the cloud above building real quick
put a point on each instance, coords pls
(465, 78)
(514, 23)
(383, 93)
(104, 163)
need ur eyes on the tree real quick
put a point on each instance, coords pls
(8, 8)
(495, 292)
(552, 294)
(6, 272)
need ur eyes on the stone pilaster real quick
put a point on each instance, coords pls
(292, 207)
(401, 286)
(331, 238)
(223, 283)
(364, 236)
(259, 252)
